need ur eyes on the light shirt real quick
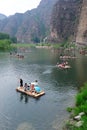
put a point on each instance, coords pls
(35, 83)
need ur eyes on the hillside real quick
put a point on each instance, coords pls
(65, 20)
(53, 20)
(81, 36)
(32, 26)
(2, 16)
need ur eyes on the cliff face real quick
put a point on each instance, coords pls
(2, 16)
(65, 19)
(81, 36)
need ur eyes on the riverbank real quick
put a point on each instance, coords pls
(78, 113)
(40, 45)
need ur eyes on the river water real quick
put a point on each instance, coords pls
(21, 112)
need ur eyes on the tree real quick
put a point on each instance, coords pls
(4, 36)
(14, 39)
(5, 44)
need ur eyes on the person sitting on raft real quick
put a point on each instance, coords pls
(32, 89)
(28, 86)
(25, 87)
(37, 89)
(35, 82)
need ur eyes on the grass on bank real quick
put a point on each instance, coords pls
(81, 100)
(8, 45)
(28, 45)
(80, 106)
(64, 45)
(25, 45)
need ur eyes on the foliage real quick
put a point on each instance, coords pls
(44, 44)
(25, 45)
(69, 109)
(81, 100)
(35, 39)
(56, 46)
(14, 39)
(82, 96)
(4, 36)
(5, 44)
(81, 106)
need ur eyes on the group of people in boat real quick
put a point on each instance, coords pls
(63, 65)
(32, 87)
(17, 55)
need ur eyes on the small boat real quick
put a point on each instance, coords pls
(20, 56)
(28, 92)
(68, 57)
(62, 66)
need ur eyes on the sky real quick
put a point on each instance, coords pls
(10, 7)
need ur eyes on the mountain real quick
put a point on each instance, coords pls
(52, 20)
(2, 16)
(65, 20)
(31, 26)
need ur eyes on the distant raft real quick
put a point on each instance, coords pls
(61, 66)
(64, 67)
(29, 93)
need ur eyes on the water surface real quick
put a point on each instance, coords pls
(21, 112)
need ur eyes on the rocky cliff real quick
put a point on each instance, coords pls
(81, 36)
(65, 20)
(2, 16)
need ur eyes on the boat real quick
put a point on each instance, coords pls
(29, 93)
(62, 66)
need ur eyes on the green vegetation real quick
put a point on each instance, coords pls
(4, 36)
(6, 41)
(25, 45)
(81, 100)
(56, 46)
(44, 44)
(35, 39)
(69, 109)
(10, 43)
(5, 44)
(81, 106)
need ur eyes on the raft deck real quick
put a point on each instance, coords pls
(33, 94)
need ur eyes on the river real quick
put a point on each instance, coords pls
(21, 112)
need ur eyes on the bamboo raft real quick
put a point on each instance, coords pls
(29, 93)
(64, 67)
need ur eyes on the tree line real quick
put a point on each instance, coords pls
(6, 41)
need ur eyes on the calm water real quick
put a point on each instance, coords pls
(21, 112)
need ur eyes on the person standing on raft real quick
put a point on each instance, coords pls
(21, 83)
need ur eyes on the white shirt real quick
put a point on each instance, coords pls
(35, 83)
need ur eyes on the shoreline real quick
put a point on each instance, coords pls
(47, 47)
(78, 113)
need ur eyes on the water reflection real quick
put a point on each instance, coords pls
(81, 70)
(24, 97)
